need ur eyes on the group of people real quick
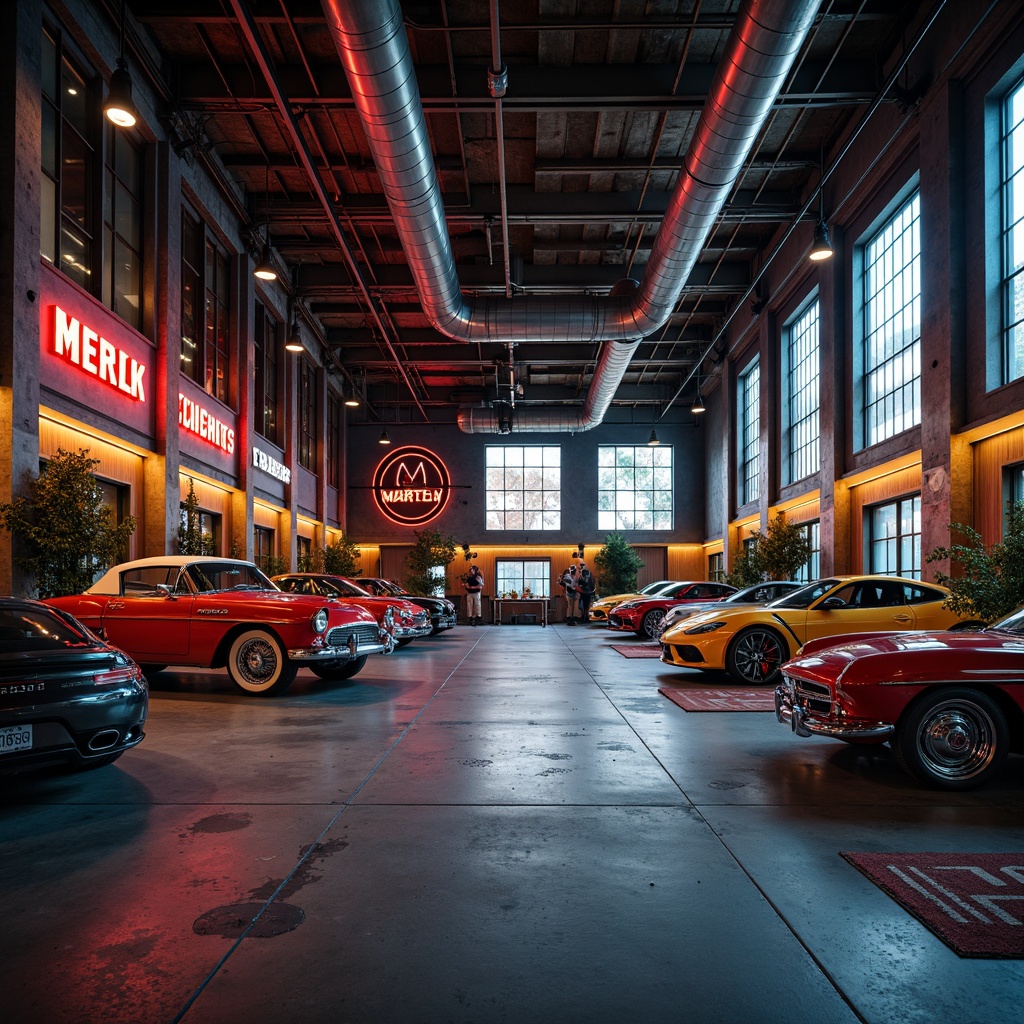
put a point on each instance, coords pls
(579, 586)
(578, 583)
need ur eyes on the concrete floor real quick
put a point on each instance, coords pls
(495, 824)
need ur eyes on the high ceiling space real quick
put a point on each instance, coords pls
(562, 201)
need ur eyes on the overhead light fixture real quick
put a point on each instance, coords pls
(822, 247)
(265, 268)
(698, 404)
(119, 106)
(384, 438)
(352, 402)
(653, 439)
(293, 343)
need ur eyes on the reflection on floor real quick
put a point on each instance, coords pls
(494, 824)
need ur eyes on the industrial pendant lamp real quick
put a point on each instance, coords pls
(293, 343)
(384, 437)
(120, 107)
(822, 247)
(653, 441)
(265, 268)
(698, 404)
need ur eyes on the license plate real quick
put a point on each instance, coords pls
(14, 738)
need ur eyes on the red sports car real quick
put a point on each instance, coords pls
(211, 612)
(643, 615)
(400, 617)
(951, 703)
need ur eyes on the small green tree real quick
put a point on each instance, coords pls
(69, 533)
(778, 554)
(342, 558)
(617, 565)
(990, 583)
(433, 551)
(191, 539)
(274, 565)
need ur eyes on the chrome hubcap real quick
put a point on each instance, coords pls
(958, 740)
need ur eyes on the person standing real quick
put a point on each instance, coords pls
(474, 588)
(587, 587)
(568, 584)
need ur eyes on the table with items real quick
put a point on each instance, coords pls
(519, 611)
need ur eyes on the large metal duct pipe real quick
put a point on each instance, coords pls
(374, 50)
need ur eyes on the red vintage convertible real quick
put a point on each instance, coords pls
(950, 703)
(211, 612)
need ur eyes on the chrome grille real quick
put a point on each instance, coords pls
(364, 632)
(813, 697)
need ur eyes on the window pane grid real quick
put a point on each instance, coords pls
(519, 576)
(1013, 234)
(802, 395)
(523, 487)
(895, 538)
(892, 326)
(750, 434)
(634, 487)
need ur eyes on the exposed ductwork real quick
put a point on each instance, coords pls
(373, 47)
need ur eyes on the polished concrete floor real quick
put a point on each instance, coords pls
(495, 824)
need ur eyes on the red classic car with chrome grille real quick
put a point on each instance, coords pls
(211, 612)
(401, 618)
(950, 704)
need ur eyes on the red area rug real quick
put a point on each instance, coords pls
(638, 650)
(974, 902)
(739, 699)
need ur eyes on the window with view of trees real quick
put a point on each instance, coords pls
(634, 487)
(749, 433)
(894, 537)
(1013, 232)
(524, 487)
(519, 576)
(801, 395)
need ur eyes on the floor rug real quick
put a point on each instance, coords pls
(638, 651)
(974, 902)
(721, 700)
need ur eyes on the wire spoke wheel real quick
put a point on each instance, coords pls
(258, 664)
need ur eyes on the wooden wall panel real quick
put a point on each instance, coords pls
(991, 457)
(263, 515)
(686, 562)
(899, 484)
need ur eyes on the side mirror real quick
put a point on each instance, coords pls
(832, 603)
(165, 589)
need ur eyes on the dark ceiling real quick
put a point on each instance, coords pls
(602, 100)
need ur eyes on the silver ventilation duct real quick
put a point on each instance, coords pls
(374, 50)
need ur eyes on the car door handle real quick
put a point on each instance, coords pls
(901, 618)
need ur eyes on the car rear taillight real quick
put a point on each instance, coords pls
(118, 676)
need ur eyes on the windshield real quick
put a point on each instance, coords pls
(343, 587)
(1013, 623)
(805, 596)
(211, 577)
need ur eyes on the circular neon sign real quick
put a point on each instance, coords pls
(411, 486)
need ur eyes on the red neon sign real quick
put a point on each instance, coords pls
(196, 420)
(77, 343)
(411, 486)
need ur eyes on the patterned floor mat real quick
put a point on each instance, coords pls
(738, 699)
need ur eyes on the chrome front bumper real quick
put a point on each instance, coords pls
(788, 710)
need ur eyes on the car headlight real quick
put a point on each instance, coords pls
(629, 605)
(320, 621)
(704, 627)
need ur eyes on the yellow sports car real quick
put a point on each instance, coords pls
(752, 643)
(602, 606)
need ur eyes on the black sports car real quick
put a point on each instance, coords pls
(442, 611)
(66, 696)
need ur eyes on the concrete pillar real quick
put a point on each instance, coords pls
(20, 170)
(834, 512)
(946, 464)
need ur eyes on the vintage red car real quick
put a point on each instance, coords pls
(950, 703)
(401, 618)
(643, 615)
(211, 612)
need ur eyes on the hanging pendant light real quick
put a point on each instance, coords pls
(384, 437)
(698, 404)
(119, 106)
(653, 439)
(265, 270)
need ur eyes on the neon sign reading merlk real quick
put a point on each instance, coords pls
(83, 347)
(196, 420)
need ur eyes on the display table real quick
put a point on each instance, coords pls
(503, 608)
